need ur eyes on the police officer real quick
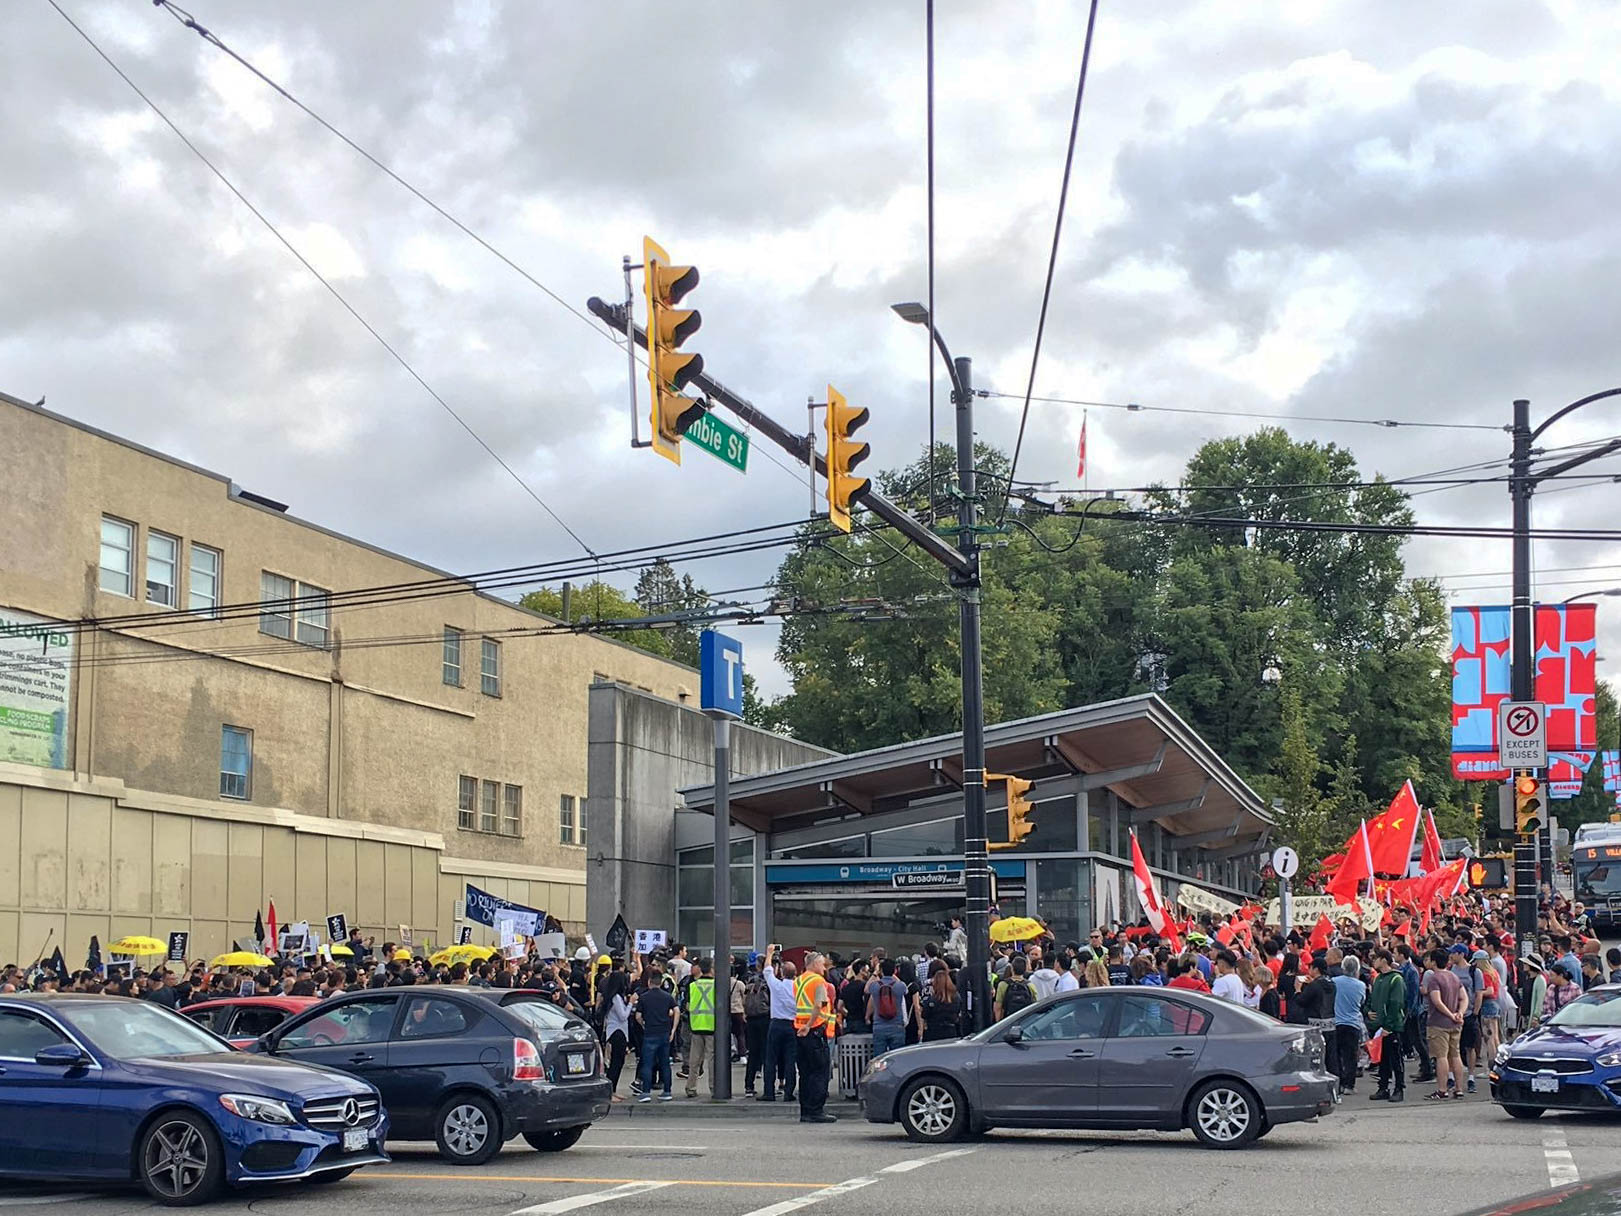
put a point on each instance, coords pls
(815, 1024)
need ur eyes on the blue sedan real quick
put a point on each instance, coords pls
(95, 1087)
(1571, 1062)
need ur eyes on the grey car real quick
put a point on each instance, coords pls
(1130, 1057)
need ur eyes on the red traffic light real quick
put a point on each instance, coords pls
(1525, 786)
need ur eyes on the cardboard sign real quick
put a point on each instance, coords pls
(337, 927)
(649, 940)
(405, 936)
(1197, 899)
(591, 945)
(551, 945)
(177, 946)
(512, 942)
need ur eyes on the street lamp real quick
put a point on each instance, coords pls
(976, 853)
(1592, 595)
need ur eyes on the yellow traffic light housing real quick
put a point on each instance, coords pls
(1527, 803)
(1018, 810)
(843, 489)
(668, 368)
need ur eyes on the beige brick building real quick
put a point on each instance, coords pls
(231, 731)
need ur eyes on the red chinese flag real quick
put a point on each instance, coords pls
(1432, 845)
(1321, 933)
(1358, 867)
(274, 942)
(1390, 836)
(1225, 935)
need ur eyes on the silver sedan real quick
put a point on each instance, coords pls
(1110, 1058)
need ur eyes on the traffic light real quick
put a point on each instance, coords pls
(668, 369)
(1488, 874)
(1018, 810)
(843, 489)
(1527, 803)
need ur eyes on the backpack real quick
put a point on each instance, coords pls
(757, 998)
(886, 1006)
(1016, 995)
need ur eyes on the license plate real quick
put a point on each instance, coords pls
(578, 1065)
(355, 1139)
(1544, 1083)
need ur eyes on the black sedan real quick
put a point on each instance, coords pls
(469, 1068)
(1110, 1058)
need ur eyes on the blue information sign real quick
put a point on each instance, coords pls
(720, 665)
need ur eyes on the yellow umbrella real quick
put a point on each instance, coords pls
(1016, 929)
(241, 958)
(139, 946)
(461, 954)
(343, 951)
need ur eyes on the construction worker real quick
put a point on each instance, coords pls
(815, 1024)
(701, 1024)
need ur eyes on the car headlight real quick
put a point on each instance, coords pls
(260, 1110)
(1502, 1054)
(1610, 1059)
(877, 1066)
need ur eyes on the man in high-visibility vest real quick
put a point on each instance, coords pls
(701, 1024)
(815, 1023)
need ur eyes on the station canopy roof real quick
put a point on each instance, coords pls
(1136, 746)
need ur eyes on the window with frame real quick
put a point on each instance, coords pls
(487, 806)
(236, 762)
(314, 615)
(162, 569)
(1077, 1018)
(1155, 1017)
(203, 588)
(567, 820)
(490, 667)
(466, 802)
(276, 605)
(511, 810)
(117, 561)
(451, 663)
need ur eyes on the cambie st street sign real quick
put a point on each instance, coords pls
(1522, 734)
(720, 441)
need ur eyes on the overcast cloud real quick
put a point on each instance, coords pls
(1368, 208)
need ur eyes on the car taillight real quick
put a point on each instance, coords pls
(526, 1064)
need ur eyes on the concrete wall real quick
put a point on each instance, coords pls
(643, 749)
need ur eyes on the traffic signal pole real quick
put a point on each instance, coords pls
(1522, 680)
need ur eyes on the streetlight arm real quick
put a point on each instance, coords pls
(1574, 405)
(1565, 466)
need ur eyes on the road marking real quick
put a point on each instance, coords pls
(481, 1177)
(590, 1199)
(1561, 1163)
(649, 1148)
(20, 1201)
(903, 1167)
(852, 1184)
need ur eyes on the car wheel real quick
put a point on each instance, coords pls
(180, 1161)
(1524, 1112)
(1224, 1114)
(467, 1130)
(933, 1110)
(555, 1142)
(331, 1176)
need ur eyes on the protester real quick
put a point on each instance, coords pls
(1387, 1014)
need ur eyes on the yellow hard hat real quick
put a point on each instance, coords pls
(605, 961)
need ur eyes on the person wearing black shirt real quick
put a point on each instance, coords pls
(1315, 1000)
(658, 1015)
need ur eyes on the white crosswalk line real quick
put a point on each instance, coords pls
(1561, 1161)
(852, 1184)
(590, 1199)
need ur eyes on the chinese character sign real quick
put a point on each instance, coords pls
(1564, 649)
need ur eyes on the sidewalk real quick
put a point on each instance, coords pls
(705, 1107)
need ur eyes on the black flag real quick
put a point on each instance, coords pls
(59, 964)
(93, 962)
(617, 937)
(259, 930)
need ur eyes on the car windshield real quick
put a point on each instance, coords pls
(1597, 1009)
(541, 1015)
(129, 1030)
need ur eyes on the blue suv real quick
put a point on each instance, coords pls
(96, 1087)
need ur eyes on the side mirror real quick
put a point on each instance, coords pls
(1013, 1035)
(267, 1042)
(60, 1055)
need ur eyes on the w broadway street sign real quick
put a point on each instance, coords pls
(720, 441)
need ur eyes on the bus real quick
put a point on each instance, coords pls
(1596, 878)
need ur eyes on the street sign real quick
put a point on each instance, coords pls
(1285, 861)
(1522, 734)
(927, 878)
(720, 671)
(722, 442)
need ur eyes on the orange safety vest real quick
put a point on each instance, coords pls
(809, 1011)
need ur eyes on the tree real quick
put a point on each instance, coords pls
(1300, 809)
(599, 601)
(661, 592)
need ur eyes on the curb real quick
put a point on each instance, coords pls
(735, 1109)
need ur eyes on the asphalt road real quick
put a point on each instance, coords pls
(1367, 1158)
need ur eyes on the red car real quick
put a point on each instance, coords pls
(242, 1019)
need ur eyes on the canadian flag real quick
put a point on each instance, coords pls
(1148, 893)
(1080, 451)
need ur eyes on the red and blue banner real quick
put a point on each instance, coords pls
(1565, 650)
(1612, 772)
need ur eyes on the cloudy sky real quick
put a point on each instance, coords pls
(1368, 208)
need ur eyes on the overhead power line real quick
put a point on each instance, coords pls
(1134, 407)
(319, 277)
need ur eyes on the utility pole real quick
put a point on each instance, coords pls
(1522, 682)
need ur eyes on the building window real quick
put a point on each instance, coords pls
(490, 667)
(512, 810)
(486, 809)
(236, 762)
(451, 672)
(203, 591)
(313, 614)
(117, 556)
(275, 605)
(466, 798)
(162, 569)
(566, 820)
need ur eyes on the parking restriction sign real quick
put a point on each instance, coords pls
(1522, 734)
